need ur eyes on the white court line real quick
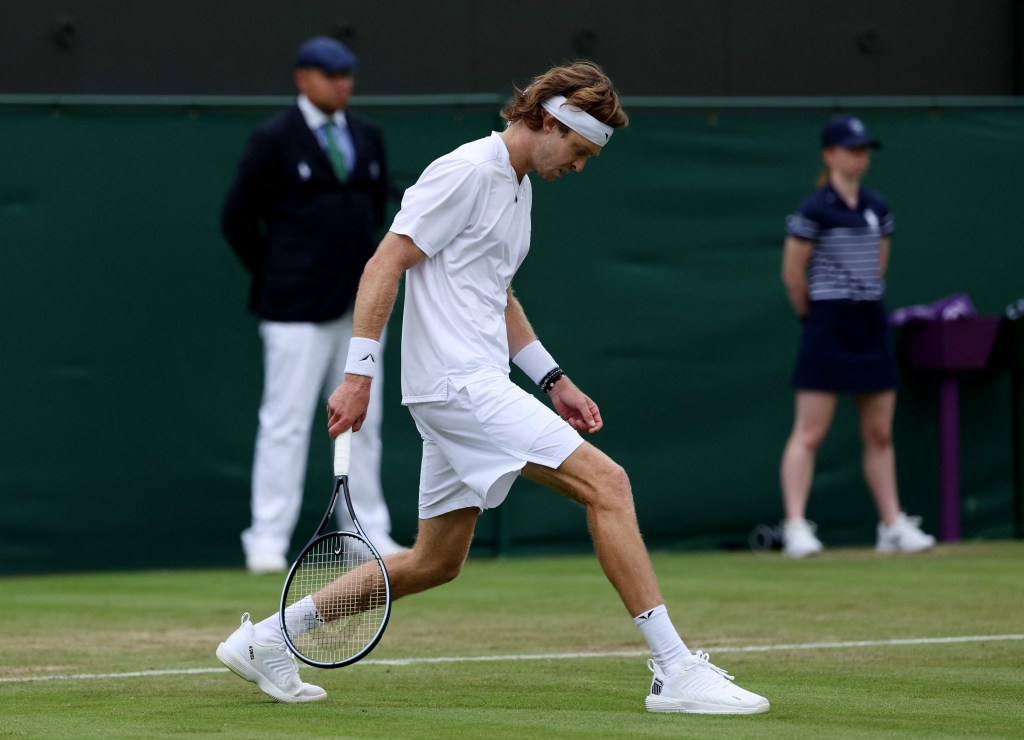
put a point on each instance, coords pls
(555, 656)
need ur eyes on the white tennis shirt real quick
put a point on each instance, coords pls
(471, 217)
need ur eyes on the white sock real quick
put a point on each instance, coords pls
(301, 617)
(268, 632)
(667, 647)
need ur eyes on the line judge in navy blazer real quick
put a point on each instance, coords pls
(303, 215)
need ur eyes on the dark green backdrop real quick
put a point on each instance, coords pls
(130, 373)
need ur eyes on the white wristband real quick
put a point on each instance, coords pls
(535, 361)
(363, 356)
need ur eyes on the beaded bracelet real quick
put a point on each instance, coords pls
(549, 380)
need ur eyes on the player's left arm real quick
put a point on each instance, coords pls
(520, 333)
(572, 404)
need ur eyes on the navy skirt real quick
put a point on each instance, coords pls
(846, 348)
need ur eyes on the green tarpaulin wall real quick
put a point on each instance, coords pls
(130, 372)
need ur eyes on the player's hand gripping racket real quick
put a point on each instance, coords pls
(347, 584)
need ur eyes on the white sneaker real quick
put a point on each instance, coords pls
(798, 539)
(903, 535)
(361, 553)
(701, 688)
(271, 667)
(262, 563)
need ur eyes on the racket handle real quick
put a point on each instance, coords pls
(342, 453)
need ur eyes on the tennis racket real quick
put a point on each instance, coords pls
(337, 598)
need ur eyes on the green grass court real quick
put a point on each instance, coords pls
(848, 645)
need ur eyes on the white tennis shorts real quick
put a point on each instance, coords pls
(477, 441)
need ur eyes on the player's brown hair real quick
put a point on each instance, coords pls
(583, 83)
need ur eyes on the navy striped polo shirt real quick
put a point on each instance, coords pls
(845, 260)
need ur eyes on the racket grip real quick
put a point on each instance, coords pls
(342, 453)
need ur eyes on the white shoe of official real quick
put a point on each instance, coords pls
(701, 688)
(262, 563)
(903, 535)
(383, 544)
(271, 667)
(799, 540)
(387, 546)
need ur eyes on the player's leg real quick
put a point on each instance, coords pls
(448, 511)
(682, 682)
(593, 479)
(258, 652)
(442, 545)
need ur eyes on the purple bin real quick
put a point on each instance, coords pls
(962, 344)
(950, 347)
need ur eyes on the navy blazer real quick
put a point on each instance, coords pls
(303, 235)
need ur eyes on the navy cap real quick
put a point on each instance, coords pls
(847, 132)
(327, 54)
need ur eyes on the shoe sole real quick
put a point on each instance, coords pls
(241, 669)
(888, 549)
(661, 704)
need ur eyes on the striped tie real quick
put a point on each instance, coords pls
(334, 153)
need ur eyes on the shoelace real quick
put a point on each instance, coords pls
(700, 660)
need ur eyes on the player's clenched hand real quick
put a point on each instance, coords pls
(575, 407)
(346, 407)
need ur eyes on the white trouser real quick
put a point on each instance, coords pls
(302, 364)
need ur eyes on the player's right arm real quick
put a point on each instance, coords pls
(378, 287)
(379, 284)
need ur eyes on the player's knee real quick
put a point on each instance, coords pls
(614, 491)
(618, 479)
(443, 570)
(447, 574)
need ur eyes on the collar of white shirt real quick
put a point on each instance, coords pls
(316, 118)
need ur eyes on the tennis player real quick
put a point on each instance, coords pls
(462, 232)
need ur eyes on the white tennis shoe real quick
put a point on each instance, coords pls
(262, 563)
(271, 667)
(799, 540)
(701, 688)
(903, 535)
(386, 546)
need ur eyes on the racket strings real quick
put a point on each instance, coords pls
(349, 587)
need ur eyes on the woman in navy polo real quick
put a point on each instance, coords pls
(834, 263)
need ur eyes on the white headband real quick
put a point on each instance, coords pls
(578, 120)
